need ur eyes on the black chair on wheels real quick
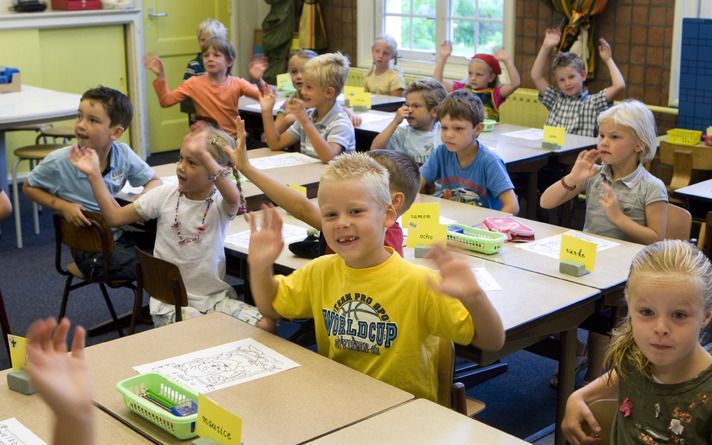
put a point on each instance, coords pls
(97, 237)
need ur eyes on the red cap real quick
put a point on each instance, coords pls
(489, 60)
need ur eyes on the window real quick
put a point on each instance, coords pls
(420, 26)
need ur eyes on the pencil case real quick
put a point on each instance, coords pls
(134, 390)
(476, 240)
(515, 230)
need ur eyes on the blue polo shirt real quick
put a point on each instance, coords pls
(59, 177)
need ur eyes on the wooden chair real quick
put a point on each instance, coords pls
(704, 242)
(97, 237)
(679, 223)
(604, 410)
(161, 280)
(452, 394)
(684, 159)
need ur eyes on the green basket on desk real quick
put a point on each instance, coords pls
(476, 240)
(180, 427)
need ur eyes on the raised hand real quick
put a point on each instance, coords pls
(239, 156)
(445, 49)
(402, 113)
(86, 160)
(604, 50)
(153, 63)
(457, 278)
(266, 239)
(297, 107)
(552, 37)
(267, 100)
(501, 54)
(585, 165)
(609, 201)
(257, 67)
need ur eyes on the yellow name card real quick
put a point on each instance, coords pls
(426, 234)
(217, 423)
(422, 212)
(299, 188)
(357, 97)
(578, 251)
(284, 82)
(18, 355)
(554, 136)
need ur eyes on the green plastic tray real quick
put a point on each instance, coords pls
(476, 240)
(180, 427)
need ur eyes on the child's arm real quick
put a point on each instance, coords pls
(381, 140)
(514, 78)
(62, 380)
(87, 161)
(443, 54)
(353, 117)
(283, 121)
(71, 211)
(538, 72)
(459, 282)
(558, 193)
(283, 196)
(324, 149)
(265, 246)
(275, 140)
(617, 80)
(655, 217)
(510, 203)
(5, 206)
(578, 412)
(227, 188)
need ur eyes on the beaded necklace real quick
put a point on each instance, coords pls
(201, 227)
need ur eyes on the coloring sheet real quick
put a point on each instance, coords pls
(530, 134)
(257, 108)
(283, 160)
(130, 190)
(485, 279)
(241, 240)
(221, 366)
(12, 432)
(551, 246)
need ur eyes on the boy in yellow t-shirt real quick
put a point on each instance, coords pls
(374, 311)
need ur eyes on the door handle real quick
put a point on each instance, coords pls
(154, 15)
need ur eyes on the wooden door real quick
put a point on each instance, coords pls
(170, 31)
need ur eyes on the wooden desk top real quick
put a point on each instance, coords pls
(34, 414)
(701, 191)
(419, 422)
(293, 406)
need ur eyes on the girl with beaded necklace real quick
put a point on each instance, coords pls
(192, 222)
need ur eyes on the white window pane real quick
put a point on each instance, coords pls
(399, 28)
(397, 6)
(463, 8)
(463, 37)
(424, 7)
(423, 34)
(491, 9)
(490, 37)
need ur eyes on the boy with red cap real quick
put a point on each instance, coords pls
(482, 77)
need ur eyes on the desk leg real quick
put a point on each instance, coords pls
(532, 195)
(3, 163)
(567, 363)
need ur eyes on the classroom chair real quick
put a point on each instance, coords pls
(33, 154)
(161, 280)
(4, 325)
(604, 410)
(97, 237)
(61, 133)
(683, 159)
(704, 241)
(679, 223)
(452, 394)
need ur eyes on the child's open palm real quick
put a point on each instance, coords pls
(552, 37)
(501, 55)
(257, 67)
(585, 165)
(457, 278)
(85, 159)
(239, 156)
(266, 240)
(267, 100)
(445, 49)
(153, 63)
(62, 380)
(604, 50)
(609, 201)
(297, 108)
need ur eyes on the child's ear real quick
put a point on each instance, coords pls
(478, 129)
(116, 132)
(331, 92)
(391, 216)
(434, 112)
(397, 199)
(708, 317)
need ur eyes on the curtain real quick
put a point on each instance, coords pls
(312, 33)
(577, 33)
(277, 29)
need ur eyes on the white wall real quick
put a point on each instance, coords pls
(247, 15)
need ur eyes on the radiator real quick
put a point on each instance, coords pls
(523, 108)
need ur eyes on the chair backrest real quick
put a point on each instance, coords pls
(704, 241)
(684, 159)
(446, 371)
(162, 280)
(604, 410)
(679, 223)
(96, 237)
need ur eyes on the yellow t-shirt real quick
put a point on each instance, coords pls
(383, 83)
(383, 321)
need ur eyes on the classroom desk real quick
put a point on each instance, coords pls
(382, 102)
(306, 175)
(293, 406)
(36, 416)
(533, 306)
(701, 191)
(32, 105)
(419, 422)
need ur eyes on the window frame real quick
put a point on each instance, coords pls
(369, 14)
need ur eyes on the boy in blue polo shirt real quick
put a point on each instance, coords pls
(325, 130)
(103, 116)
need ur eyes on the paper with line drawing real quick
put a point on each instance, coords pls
(12, 432)
(221, 366)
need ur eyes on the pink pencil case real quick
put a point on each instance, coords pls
(514, 230)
